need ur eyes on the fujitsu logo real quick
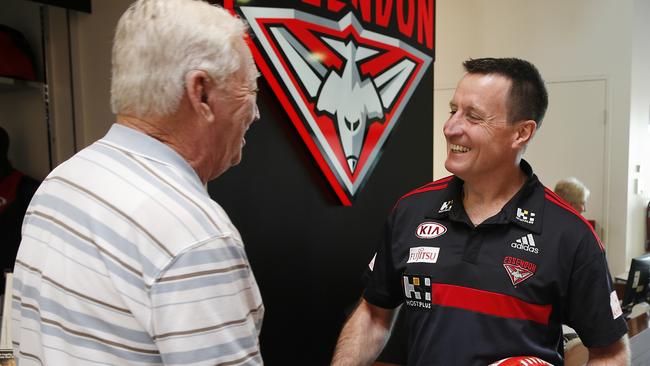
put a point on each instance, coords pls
(423, 255)
(343, 86)
(430, 230)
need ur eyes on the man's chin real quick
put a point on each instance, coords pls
(452, 168)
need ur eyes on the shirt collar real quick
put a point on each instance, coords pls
(525, 208)
(146, 146)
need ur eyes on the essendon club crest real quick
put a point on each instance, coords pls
(518, 270)
(343, 86)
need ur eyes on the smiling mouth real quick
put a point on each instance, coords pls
(458, 148)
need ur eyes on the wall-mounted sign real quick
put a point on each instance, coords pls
(344, 72)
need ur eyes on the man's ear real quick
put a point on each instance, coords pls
(197, 86)
(524, 132)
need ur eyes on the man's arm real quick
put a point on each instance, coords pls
(363, 336)
(616, 354)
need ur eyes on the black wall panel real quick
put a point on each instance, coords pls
(308, 251)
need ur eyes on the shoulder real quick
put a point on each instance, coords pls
(431, 190)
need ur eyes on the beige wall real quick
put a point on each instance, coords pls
(639, 149)
(569, 40)
(92, 37)
(22, 108)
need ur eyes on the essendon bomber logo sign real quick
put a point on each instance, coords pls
(343, 85)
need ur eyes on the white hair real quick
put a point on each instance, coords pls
(572, 190)
(157, 42)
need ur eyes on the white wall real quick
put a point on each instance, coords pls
(639, 149)
(567, 40)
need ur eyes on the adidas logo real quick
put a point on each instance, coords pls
(526, 243)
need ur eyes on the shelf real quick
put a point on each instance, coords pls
(9, 84)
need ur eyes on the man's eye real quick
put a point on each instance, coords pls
(452, 112)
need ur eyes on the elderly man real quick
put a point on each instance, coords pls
(574, 192)
(125, 259)
(488, 263)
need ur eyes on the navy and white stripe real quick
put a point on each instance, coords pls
(125, 260)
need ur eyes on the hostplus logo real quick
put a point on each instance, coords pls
(526, 243)
(417, 290)
(525, 216)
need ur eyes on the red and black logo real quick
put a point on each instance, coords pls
(518, 270)
(343, 85)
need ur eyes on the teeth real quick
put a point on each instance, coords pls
(458, 148)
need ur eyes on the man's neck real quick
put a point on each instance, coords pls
(169, 132)
(485, 197)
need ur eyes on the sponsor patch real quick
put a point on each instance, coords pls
(616, 306)
(525, 216)
(371, 265)
(526, 243)
(430, 230)
(518, 270)
(423, 255)
(417, 291)
(446, 207)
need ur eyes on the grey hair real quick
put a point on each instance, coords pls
(157, 42)
(572, 190)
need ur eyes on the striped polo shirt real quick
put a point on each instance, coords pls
(126, 260)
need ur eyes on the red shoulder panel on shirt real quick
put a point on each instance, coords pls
(553, 197)
(432, 186)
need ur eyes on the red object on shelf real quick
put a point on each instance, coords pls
(16, 61)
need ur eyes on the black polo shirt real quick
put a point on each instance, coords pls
(476, 294)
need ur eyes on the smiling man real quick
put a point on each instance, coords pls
(488, 263)
(125, 258)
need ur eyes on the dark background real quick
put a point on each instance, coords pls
(308, 252)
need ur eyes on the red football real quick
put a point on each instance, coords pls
(520, 361)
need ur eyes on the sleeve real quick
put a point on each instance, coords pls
(593, 308)
(206, 307)
(383, 287)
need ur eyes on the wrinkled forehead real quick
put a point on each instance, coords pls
(482, 89)
(492, 81)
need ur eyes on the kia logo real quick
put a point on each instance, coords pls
(430, 230)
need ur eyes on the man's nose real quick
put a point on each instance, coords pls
(452, 126)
